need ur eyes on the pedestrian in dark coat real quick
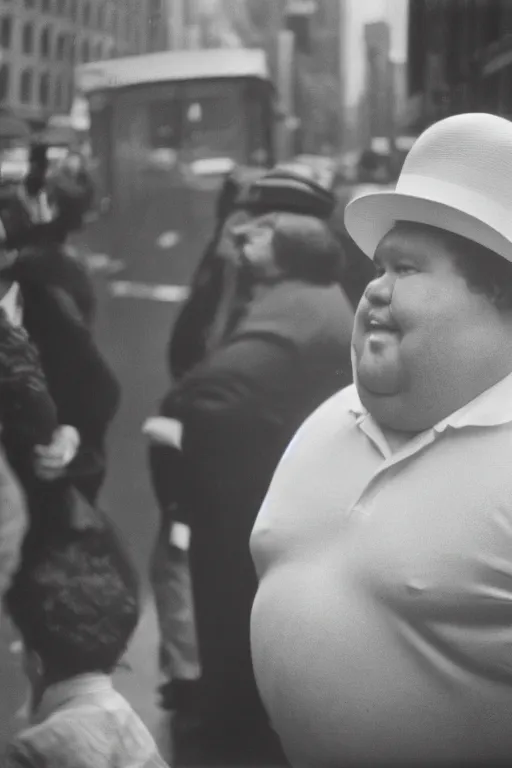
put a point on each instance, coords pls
(31, 436)
(289, 351)
(81, 384)
(219, 293)
(83, 387)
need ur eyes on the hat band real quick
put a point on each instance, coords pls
(468, 201)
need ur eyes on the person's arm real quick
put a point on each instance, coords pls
(239, 381)
(233, 410)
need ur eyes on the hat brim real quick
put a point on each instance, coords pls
(370, 217)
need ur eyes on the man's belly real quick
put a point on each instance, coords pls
(347, 682)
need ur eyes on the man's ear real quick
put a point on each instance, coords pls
(33, 664)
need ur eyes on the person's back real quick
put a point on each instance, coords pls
(84, 723)
(76, 606)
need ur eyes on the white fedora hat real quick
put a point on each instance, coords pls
(457, 177)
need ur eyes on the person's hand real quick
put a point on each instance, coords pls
(164, 431)
(52, 460)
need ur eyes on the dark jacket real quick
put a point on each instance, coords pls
(54, 266)
(81, 384)
(239, 410)
(28, 417)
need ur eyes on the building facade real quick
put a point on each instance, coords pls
(460, 59)
(379, 95)
(41, 41)
(316, 62)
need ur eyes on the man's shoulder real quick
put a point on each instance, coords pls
(343, 403)
(332, 418)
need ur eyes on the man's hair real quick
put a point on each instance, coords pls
(484, 270)
(306, 249)
(77, 605)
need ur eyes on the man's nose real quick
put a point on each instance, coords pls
(380, 290)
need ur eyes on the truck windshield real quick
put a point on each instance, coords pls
(201, 124)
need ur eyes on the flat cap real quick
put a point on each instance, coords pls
(291, 190)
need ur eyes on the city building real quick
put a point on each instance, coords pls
(379, 86)
(460, 59)
(41, 41)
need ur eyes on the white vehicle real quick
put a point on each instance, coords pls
(165, 128)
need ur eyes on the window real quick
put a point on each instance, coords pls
(45, 43)
(98, 53)
(28, 38)
(61, 7)
(72, 49)
(26, 86)
(30, 4)
(61, 47)
(6, 32)
(101, 16)
(4, 82)
(73, 9)
(67, 96)
(164, 125)
(86, 53)
(87, 13)
(58, 94)
(44, 89)
(46, 6)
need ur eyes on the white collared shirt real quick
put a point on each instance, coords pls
(85, 716)
(382, 627)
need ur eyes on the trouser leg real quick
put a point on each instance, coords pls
(170, 578)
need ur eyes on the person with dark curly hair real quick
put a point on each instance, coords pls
(76, 608)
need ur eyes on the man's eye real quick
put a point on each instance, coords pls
(404, 269)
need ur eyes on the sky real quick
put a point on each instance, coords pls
(361, 12)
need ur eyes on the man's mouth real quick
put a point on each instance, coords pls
(375, 324)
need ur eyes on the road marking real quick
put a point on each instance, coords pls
(96, 262)
(102, 262)
(128, 290)
(168, 240)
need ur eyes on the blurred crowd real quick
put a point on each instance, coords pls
(262, 340)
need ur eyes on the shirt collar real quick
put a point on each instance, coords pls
(59, 694)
